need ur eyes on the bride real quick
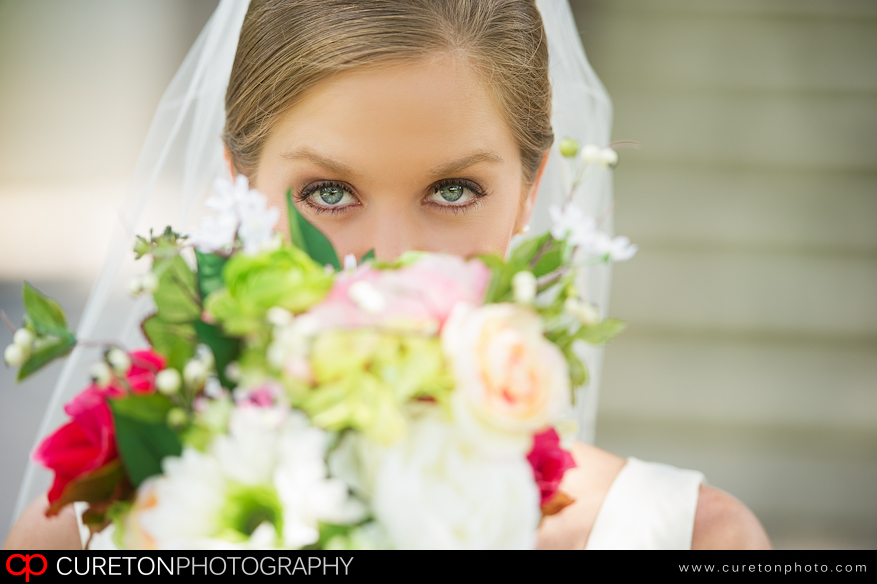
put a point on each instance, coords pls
(422, 124)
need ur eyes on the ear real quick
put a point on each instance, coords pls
(529, 202)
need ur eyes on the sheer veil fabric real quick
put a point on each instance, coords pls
(182, 156)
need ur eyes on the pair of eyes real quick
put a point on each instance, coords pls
(453, 194)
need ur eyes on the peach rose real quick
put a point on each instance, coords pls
(511, 376)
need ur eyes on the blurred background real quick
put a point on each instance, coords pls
(751, 352)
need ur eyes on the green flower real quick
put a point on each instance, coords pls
(363, 378)
(286, 277)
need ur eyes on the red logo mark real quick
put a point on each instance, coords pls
(26, 569)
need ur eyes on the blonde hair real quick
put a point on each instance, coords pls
(288, 46)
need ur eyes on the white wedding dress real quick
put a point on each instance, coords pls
(650, 506)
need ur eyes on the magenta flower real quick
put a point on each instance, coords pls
(550, 462)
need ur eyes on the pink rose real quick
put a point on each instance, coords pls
(84, 444)
(505, 369)
(549, 462)
(418, 297)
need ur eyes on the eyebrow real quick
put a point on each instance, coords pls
(330, 164)
(439, 171)
(456, 166)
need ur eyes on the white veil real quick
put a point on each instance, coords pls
(182, 156)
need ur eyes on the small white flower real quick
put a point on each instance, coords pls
(270, 467)
(257, 223)
(216, 233)
(101, 373)
(584, 312)
(23, 338)
(367, 297)
(524, 287)
(168, 381)
(226, 195)
(349, 262)
(571, 222)
(618, 249)
(14, 356)
(119, 360)
(194, 373)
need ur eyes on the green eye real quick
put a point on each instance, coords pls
(451, 193)
(331, 195)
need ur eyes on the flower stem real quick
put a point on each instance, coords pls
(7, 322)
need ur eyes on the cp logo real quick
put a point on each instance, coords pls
(26, 569)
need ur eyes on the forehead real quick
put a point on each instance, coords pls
(417, 113)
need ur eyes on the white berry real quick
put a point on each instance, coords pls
(101, 373)
(168, 381)
(14, 356)
(119, 360)
(524, 287)
(608, 157)
(194, 373)
(23, 338)
(590, 153)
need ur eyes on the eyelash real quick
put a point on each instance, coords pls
(304, 196)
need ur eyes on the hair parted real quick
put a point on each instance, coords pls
(288, 46)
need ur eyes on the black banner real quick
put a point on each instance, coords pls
(44, 566)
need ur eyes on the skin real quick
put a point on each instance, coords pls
(387, 135)
(390, 136)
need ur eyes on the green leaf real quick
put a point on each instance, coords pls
(175, 341)
(308, 238)
(47, 350)
(527, 249)
(209, 272)
(95, 487)
(176, 298)
(601, 332)
(225, 349)
(149, 409)
(578, 372)
(550, 261)
(46, 315)
(142, 436)
(500, 280)
(368, 257)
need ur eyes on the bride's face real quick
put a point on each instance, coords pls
(401, 157)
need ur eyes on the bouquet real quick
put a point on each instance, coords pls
(292, 399)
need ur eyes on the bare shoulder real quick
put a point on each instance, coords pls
(723, 522)
(34, 530)
(587, 485)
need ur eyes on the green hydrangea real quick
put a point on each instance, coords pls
(363, 378)
(285, 277)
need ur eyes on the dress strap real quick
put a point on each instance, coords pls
(649, 506)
